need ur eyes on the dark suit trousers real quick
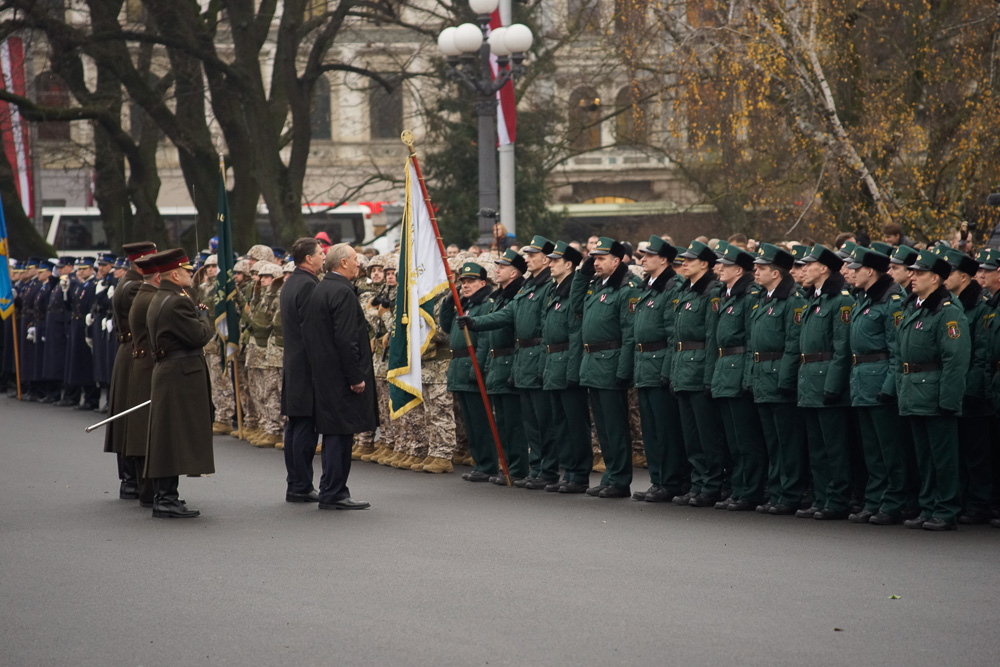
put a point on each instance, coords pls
(336, 457)
(300, 447)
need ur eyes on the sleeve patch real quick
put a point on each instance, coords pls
(897, 318)
(845, 314)
(953, 330)
(797, 318)
(715, 305)
(631, 304)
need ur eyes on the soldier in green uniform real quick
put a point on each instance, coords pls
(899, 266)
(659, 413)
(774, 329)
(933, 351)
(462, 382)
(603, 295)
(873, 387)
(824, 372)
(731, 383)
(989, 278)
(696, 314)
(561, 377)
(974, 422)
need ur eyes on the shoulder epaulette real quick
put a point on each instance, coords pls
(895, 297)
(845, 292)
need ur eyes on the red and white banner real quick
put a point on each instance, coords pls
(13, 127)
(506, 110)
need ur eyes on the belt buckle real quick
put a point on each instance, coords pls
(720, 353)
(756, 357)
(586, 348)
(492, 356)
(906, 368)
(854, 359)
(680, 346)
(802, 358)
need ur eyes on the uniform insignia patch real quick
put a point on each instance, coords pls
(604, 298)
(897, 318)
(953, 331)
(687, 306)
(715, 305)
(919, 325)
(817, 309)
(531, 295)
(650, 304)
(631, 304)
(798, 314)
(867, 310)
(770, 310)
(845, 314)
(557, 305)
(729, 310)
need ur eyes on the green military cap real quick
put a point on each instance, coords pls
(989, 259)
(565, 251)
(513, 258)
(904, 255)
(608, 246)
(866, 257)
(799, 253)
(883, 248)
(738, 256)
(698, 250)
(721, 248)
(772, 254)
(825, 256)
(928, 260)
(472, 270)
(540, 244)
(658, 246)
(846, 250)
(960, 261)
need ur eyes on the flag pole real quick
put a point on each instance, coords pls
(13, 327)
(223, 345)
(407, 138)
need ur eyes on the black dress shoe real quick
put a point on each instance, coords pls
(553, 487)
(539, 483)
(741, 506)
(703, 500)
(995, 523)
(973, 518)
(782, 510)
(128, 491)
(615, 492)
(523, 481)
(476, 476)
(763, 508)
(864, 516)
(660, 495)
(595, 491)
(939, 525)
(883, 519)
(683, 499)
(573, 487)
(173, 510)
(346, 504)
(145, 503)
(916, 522)
(46, 399)
(807, 513)
(830, 515)
(500, 480)
(311, 497)
(724, 503)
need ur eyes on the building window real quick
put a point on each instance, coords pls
(584, 15)
(630, 117)
(52, 93)
(385, 109)
(319, 112)
(585, 119)
(630, 16)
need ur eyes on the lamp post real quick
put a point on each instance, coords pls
(468, 51)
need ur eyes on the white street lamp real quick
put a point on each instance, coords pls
(468, 38)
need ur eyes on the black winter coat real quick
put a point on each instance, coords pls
(296, 376)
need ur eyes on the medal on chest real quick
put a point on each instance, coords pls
(729, 310)
(866, 311)
(604, 298)
(687, 306)
(817, 309)
(650, 304)
(531, 295)
(919, 325)
(770, 310)
(557, 305)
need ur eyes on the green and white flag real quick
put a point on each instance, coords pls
(227, 321)
(421, 277)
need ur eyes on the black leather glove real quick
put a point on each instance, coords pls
(622, 383)
(466, 321)
(748, 392)
(665, 383)
(708, 392)
(885, 399)
(947, 412)
(510, 381)
(587, 268)
(830, 398)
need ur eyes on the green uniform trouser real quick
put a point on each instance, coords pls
(936, 442)
(976, 472)
(665, 452)
(507, 410)
(704, 440)
(536, 411)
(571, 429)
(746, 444)
(477, 427)
(784, 436)
(880, 441)
(829, 460)
(610, 408)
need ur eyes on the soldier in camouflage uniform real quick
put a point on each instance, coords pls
(222, 384)
(439, 422)
(248, 296)
(263, 360)
(391, 437)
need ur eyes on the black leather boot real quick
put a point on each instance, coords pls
(166, 504)
(129, 489)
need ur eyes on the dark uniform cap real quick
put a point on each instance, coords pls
(565, 251)
(512, 258)
(845, 250)
(928, 260)
(472, 270)
(961, 262)
(989, 259)
(32, 261)
(698, 250)
(84, 261)
(608, 246)
(799, 253)
(904, 255)
(658, 246)
(720, 249)
(136, 250)
(65, 261)
(121, 263)
(884, 248)
(106, 258)
(772, 254)
(738, 256)
(540, 244)
(824, 256)
(46, 265)
(862, 257)
(164, 261)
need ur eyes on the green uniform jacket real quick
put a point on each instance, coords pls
(732, 371)
(461, 375)
(607, 316)
(826, 328)
(697, 311)
(500, 338)
(973, 300)
(873, 331)
(561, 326)
(993, 352)
(775, 325)
(936, 332)
(654, 323)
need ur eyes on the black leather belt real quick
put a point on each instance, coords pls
(767, 356)
(557, 347)
(921, 368)
(812, 357)
(529, 342)
(729, 351)
(501, 352)
(869, 358)
(460, 352)
(125, 337)
(442, 353)
(690, 345)
(600, 347)
(177, 354)
(651, 347)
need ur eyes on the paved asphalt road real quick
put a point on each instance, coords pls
(442, 572)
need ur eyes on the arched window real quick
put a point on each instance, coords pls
(319, 112)
(52, 93)
(631, 117)
(385, 109)
(585, 119)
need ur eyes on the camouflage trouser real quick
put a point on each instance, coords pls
(461, 437)
(265, 392)
(412, 432)
(250, 411)
(439, 417)
(634, 425)
(222, 389)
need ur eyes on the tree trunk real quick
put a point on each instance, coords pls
(22, 237)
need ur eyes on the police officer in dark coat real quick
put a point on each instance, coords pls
(79, 355)
(335, 333)
(48, 279)
(56, 327)
(100, 310)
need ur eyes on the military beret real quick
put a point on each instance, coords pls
(772, 254)
(734, 255)
(136, 250)
(512, 258)
(473, 271)
(862, 257)
(540, 244)
(904, 255)
(961, 262)
(608, 246)
(928, 260)
(565, 251)
(824, 256)
(698, 250)
(657, 246)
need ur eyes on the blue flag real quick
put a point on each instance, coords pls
(6, 290)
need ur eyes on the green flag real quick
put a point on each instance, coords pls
(227, 321)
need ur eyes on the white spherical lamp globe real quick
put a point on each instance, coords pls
(483, 6)
(446, 42)
(468, 38)
(518, 38)
(497, 45)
